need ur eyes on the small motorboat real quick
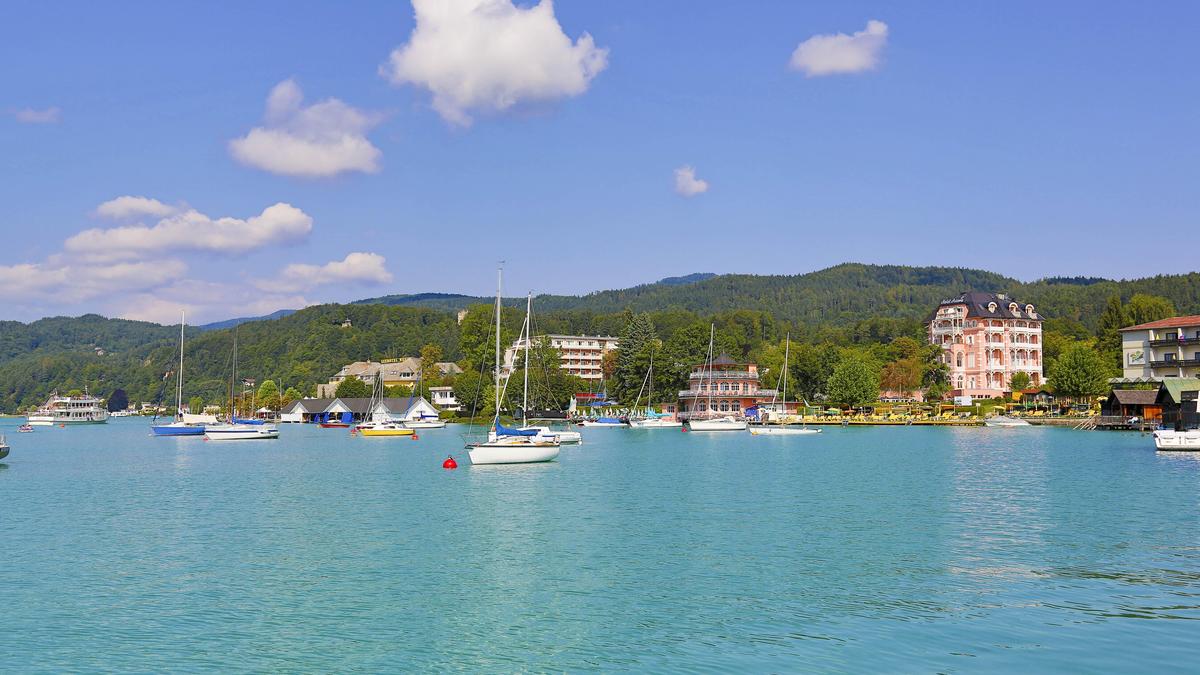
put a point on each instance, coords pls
(1170, 439)
(781, 430)
(1005, 421)
(3, 447)
(240, 432)
(374, 429)
(717, 424)
(655, 423)
(334, 425)
(177, 429)
(546, 433)
(25, 429)
(604, 422)
(425, 423)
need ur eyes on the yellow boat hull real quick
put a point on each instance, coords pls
(385, 432)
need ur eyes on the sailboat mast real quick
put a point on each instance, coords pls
(712, 332)
(528, 338)
(496, 369)
(787, 347)
(179, 386)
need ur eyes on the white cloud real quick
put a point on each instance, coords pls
(357, 268)
(132, 207)
(54, 280)
(687, 184)
(490, 55)
(204, 301)
(191, 230)
(32, 116)
(323, 139)
(840, 54)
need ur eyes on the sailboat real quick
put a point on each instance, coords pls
(505, 445)
(379, 424)
(543, 432)
(764, 429)
(423, 422)
(651, 420)
(233, 430)
(178, 427)
(723, 423)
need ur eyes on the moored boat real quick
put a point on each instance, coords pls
(505, 445)
(372, 429)
(1005, 421)
(655, 423)
(82, 409)
(3, 447)
(179, 427)
(1179, 440)
(241, 432)
(604, 422)
(765, 429)
(717, 424)
(25, 429)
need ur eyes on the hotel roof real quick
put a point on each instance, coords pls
(978, 302)
(1173, 322)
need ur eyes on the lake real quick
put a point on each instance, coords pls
(860, 549)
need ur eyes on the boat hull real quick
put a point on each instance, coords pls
(238, 432)
(722, 424)
(426, 424)
(176, 430)
(391, 431)
(3, 451)
(1006, 422)
(524, 453)
(1180, 441)
(44, 421)
(334, 425)
(654, 424)
(783, 431)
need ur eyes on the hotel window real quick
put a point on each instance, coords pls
(1171, 336)
(1168, 357)
(724, 406)
(959, 360)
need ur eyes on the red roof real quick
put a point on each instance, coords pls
(1173, 322)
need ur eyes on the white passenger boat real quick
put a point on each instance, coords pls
(85, 409)
(504, 445)
(1169, 439)
(241, 432)
(717, 424)
(1005, 421)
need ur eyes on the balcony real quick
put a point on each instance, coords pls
(1175, 363)
(696, 393)
(723, 375)
(1176, 341)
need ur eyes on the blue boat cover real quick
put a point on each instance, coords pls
(502, 430)
(347, 417)
(608, 420)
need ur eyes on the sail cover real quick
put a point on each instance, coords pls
(502, 430)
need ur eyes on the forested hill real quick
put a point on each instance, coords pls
(847, 303)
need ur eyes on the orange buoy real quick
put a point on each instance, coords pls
(62, 426)
(449, 463)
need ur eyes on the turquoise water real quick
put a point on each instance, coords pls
(886, 549)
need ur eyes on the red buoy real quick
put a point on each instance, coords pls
(415, 437)
(683, 428)
(449, 463)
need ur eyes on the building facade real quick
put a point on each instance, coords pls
(986, 338)
(443, 398)
(393, 371)
(724, 388)
(579, 355)
(1166, 348)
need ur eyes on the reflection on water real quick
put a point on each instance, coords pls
(897, 549)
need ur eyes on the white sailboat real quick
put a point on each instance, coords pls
(764, 429)
(179, 426)
(651, 420)
(234, 431)
(543, 432)
(722, 423)
(504, 445)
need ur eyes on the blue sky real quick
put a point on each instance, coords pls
(1031, 139)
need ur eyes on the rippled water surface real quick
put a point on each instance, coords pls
(886, 549)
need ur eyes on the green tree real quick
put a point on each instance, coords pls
(431, 376)
(1079, 372)
(352, 387)
(902, 376)
(196, 405)
(637, 342)
(1144, 308)
(811, 367)
(117, 400)
(268, 395)
(290, 396)
(855, 382)
(1019, 381)
(398, 391)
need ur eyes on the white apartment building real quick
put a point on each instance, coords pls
(1166, 348)
(579, 355)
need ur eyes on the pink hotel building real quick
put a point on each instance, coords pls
(985, 339)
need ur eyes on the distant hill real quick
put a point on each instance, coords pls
(303, 347)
